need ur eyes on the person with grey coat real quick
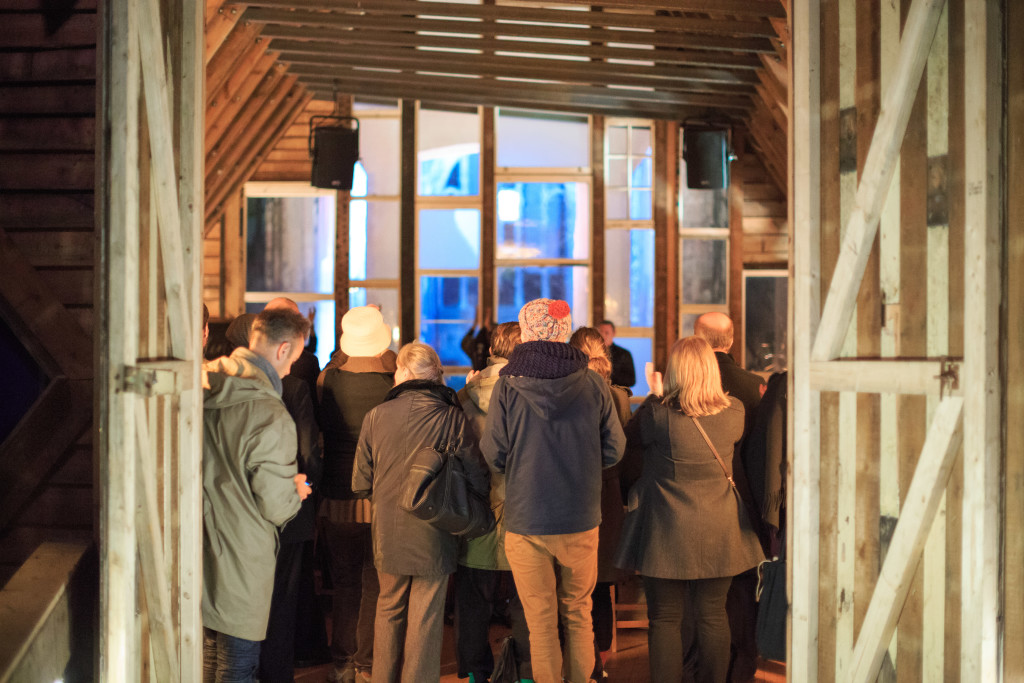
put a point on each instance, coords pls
(687, 533)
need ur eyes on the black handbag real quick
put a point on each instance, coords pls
(506, 670)
(772, 608)
(437, 490)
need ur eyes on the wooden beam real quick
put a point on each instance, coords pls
(488, 211)
(240, 43)
(448, 62)
(516, 18)
(981, 630)
(219, 26)
(407, 226)
(805, 218)
(918, 33)
(255, 82)
(401, 26)
(923, 497)
(933, 377)
(490, 45)
(665, 136)
(597, 223)
(756, 8)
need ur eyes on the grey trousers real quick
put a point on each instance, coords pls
(409, 628)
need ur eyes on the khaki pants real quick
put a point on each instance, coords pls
(562, 568)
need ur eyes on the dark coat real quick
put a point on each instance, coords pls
(299, 403)
(613, 510)
(551, 438)
(744, 385)
(307, 368)
(685, 522)
(623, 370)
(411, 418)
(347, 395)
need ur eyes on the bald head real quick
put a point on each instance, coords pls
(716, 329)
(281, 303)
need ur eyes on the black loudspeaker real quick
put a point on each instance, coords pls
(706, 153)
(335, 151)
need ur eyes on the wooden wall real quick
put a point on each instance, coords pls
(47, 170)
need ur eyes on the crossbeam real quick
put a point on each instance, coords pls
(932, 377)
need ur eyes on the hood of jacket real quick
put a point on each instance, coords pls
(242, 364)
(480, 387)
(548, 375)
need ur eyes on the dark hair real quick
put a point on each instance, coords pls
(206, 315)
(607, 322)
(281, 325)
(504, 338)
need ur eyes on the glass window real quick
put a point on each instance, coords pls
(642, 350)
(290, 244)
(447, 311)
(702, 208)
(629, 277)
(629, 173)
(542, 141)
(543, 221)
(373, 239)
(765, 305)
(705, 272)
(380, 143)
(520, 284)
(448, 153)
(449, 239)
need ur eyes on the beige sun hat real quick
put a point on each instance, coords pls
(364, 332)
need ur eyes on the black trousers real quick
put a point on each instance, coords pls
(741, 606)
(475, 591)
(685, 612)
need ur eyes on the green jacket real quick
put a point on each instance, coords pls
(248, 491)
(487, 551)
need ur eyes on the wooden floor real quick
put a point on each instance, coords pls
(628, 665)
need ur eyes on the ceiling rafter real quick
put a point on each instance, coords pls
(504, 14)
(396, 24)
(759, 8)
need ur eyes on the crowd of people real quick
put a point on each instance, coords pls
(584, 491)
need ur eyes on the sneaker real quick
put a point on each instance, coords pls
(343, 675)
(364, 676)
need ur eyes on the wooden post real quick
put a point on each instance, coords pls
(488, 212)
(407, 230)
(118, 202)
(983, 62)
(804, 221)
(342, 107)
(598, 263)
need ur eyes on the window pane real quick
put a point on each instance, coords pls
(617, 173)
(687, 322)
(616, 205)
(641, 348)
(617, 140)
(373, 239)
(380, 144)
(323, 325)
(703, 208)
(290, 244)
(765, 328)
(447, 311)
(629, 277)
(641, 172)
(640, 205)
(448, 158)
(386, 299)
(518, 285)
(705, 271)
(543, 220)
(640, 141)
(539, 141)
(449, 238)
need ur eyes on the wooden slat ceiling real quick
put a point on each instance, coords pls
(706, 60)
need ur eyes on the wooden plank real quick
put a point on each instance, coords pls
(670, 79)
(737, 251)
(72, 64)
(55, 249)
(67, 211)
(29, 30)
(222, 114)
(38, 595)
(1013, 597)
(597, 220)
(71, 171)
(923, 497)
(488, 212)
(983, 87)
(221, 144)
(703, 58)
(232, 254)
(803, 514)
(242, 40)
(738, 7)
(72, 134)
(666, 239)
(897, 376)
(892, 121)
(407, 227)
(400, 25)
(35, 100)
(218, 26)
(531, 16)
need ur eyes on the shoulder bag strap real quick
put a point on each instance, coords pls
(713, 450)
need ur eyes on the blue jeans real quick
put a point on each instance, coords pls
(227, 659)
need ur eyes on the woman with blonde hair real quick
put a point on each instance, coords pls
(687, 533)
(413, 558)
